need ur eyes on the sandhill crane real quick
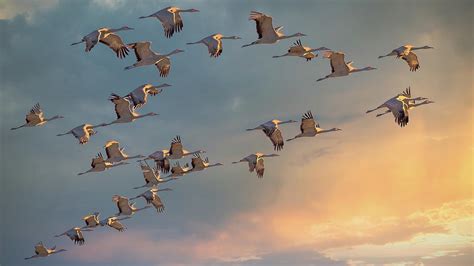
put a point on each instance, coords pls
(91, 220)
(83, 132)
(151, 197)
(297, 49)
(405, 52)
(152, 176)
(161, 159)
(256, 162)
(339, 67)
(309, 127)
(178, 170)
(75, 234)
(170, 18)
(108, 37)
(124, 110)
(214, 43)
(267, 34)
(139, 96)
(116, 154)
(398, 105)
(198, 164)
(114, 222)
(125, 207)
(176, 150)
(410, 104)
(98, 164)
(36, 118)
(272, 131)
(42, 251)
(145, 56)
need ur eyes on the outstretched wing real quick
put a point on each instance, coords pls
(164, 66)
(275, 136)
(35, 115)
(260, 167)
(114, 42)
(142, 50)
(176, 146)
(264, 24)
(307, 123)
(412, 61)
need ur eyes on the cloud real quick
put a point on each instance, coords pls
(11, 8)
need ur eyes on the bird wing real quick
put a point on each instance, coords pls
(98, 160)
(400, 111)
(157, 203)
(123, 107)
(412, 61)
(176, 146)
(138, 96)
(163, 165)
(338, 64)
(142, 50)
(214, 46)
(264, 24)
(308, 124)
(297, 47)
(170, 20)
(41, 249)
(260, 167)
(114, 223)
(35, 115)
(164, 66)
(275, 136)
(197, 162)
(112, 148)
(114, 42)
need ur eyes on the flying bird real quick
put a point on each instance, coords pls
(116, 154)
(145, 56)
(125, 111)
(272, 131)
(75, 234)
(125, 207)
(161, 159)
(297, 49)
(151, 197)
(108, 37)
(152, 176)
(114, 222)
(310, 128)
(98, 164)
(91, 220)
(410, 104)
(214, 43)
(399, 106)
(83, 132)
(170, 18)
(178, 170)
(267, 34)
(42, 251)
(36, 118)
(339, 67)
(199, 164)
(139, 96)
(405, 52)
(256, 162)
(176, 150)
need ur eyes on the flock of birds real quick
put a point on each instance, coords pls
(126, 111)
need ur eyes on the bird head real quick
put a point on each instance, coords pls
(427, 47)
(299, 34)
(126, 28)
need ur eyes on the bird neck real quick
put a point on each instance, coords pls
(53, 118)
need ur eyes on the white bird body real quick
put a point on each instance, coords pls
(199, 164)
(267, 34)
(310, 128)
(36, 118)
(116, 154)
(406, 53)
(125, 207)
(42, 251)
(339, 67)
(214, 43)
(273, 132)
(114, 222)
(399, 106)
(108, 37)
(75, 234)
(146, 56)
(151, 197)
(170, 18)
(125, 111)
(297, 49)
(98, 164)
(139, 96)
(83, 132)
(152, 176)
(255, 162)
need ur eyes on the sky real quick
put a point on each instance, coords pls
(371, 194)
